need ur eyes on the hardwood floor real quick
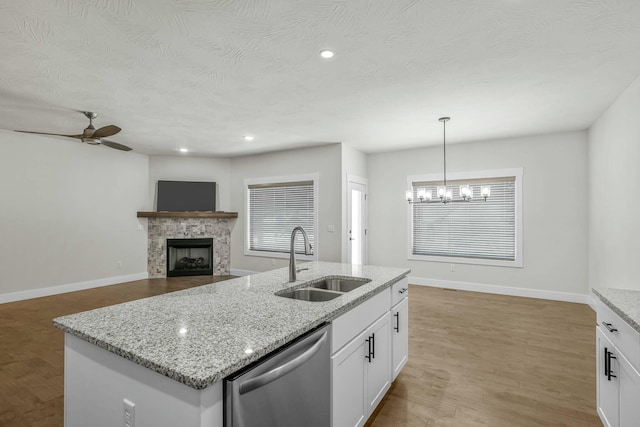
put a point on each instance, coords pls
(489, 360)
(32, 350)
(475, 359)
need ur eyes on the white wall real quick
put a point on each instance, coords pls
(324, 160)
(555, 222)
(68, 212)
(185, 168)
(354, 162)
(614, 205)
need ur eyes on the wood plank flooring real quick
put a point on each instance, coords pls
(475, 359)
(32, 350)
(490, 360)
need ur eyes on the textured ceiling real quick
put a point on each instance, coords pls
(203, 73)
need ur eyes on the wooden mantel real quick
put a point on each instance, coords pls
(187, 214)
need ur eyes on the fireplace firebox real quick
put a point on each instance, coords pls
(189, 257)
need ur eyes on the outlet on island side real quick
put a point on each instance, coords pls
(129, 413)
(452, 268)
(118, 264)
(273, 262)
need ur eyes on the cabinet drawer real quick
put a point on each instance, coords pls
(621, 334)
(399, 290)
(356, 320)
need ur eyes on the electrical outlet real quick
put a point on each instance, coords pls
(273, 262)
(119, 264)
(129, 413)
(452, 268)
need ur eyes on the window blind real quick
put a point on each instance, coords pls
(477, 229)
(275, 210)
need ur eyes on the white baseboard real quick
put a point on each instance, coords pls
(70, 287)
(592, 302)
(502, 290)
(236, 272)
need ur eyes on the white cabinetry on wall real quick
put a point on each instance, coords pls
(618, 380)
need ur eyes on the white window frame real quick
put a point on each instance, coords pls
(278, 180)
(496, 173)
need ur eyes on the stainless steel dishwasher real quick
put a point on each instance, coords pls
(288, 388)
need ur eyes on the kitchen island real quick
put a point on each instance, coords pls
(162, 359)
(618, 356)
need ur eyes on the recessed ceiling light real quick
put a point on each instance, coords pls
(184, 150)
(249, 138)
(326, 53)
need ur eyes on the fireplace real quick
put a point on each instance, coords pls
(189, 257)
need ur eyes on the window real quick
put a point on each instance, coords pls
(275, 206)
(477, 232)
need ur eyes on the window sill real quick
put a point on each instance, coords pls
(280, 255)
(460, 260)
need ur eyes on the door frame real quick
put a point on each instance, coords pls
(365, 216)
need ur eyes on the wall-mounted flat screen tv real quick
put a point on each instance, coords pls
(186, 196)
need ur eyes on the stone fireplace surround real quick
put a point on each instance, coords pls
(188, 225)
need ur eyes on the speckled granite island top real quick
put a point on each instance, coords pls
(624, 302)
(199, 336)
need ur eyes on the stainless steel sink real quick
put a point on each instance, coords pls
(311, 294)
(324, 289)
(340, 285)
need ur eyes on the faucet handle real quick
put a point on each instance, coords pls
(298, 270)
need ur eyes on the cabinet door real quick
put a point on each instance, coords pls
(629, 380)
(400, 336)
(378, 377)
(607, 380)
(348, 369)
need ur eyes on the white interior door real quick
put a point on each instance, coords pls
(356, 220)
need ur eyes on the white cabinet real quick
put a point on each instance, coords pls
(618, 381)
(369, 348)
(348, 370)
(378, 366)
(400, 336)
(606, 381)
(361, 375)
(629, 393)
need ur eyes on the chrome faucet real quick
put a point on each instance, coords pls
(292, 253)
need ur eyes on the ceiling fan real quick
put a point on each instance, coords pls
(92, 135)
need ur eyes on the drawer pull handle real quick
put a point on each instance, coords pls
(609, 327)
(373, 352)
(403, 290)
(610, 373)
(397, 327)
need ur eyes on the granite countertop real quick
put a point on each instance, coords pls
(199, 336)
(624, 302)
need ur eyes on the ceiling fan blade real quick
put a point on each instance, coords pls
(115, 145)
(54, 134)
(106, 131)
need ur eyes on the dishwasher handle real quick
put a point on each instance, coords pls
(282, 370)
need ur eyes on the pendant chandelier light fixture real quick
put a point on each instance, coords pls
(443, 193)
